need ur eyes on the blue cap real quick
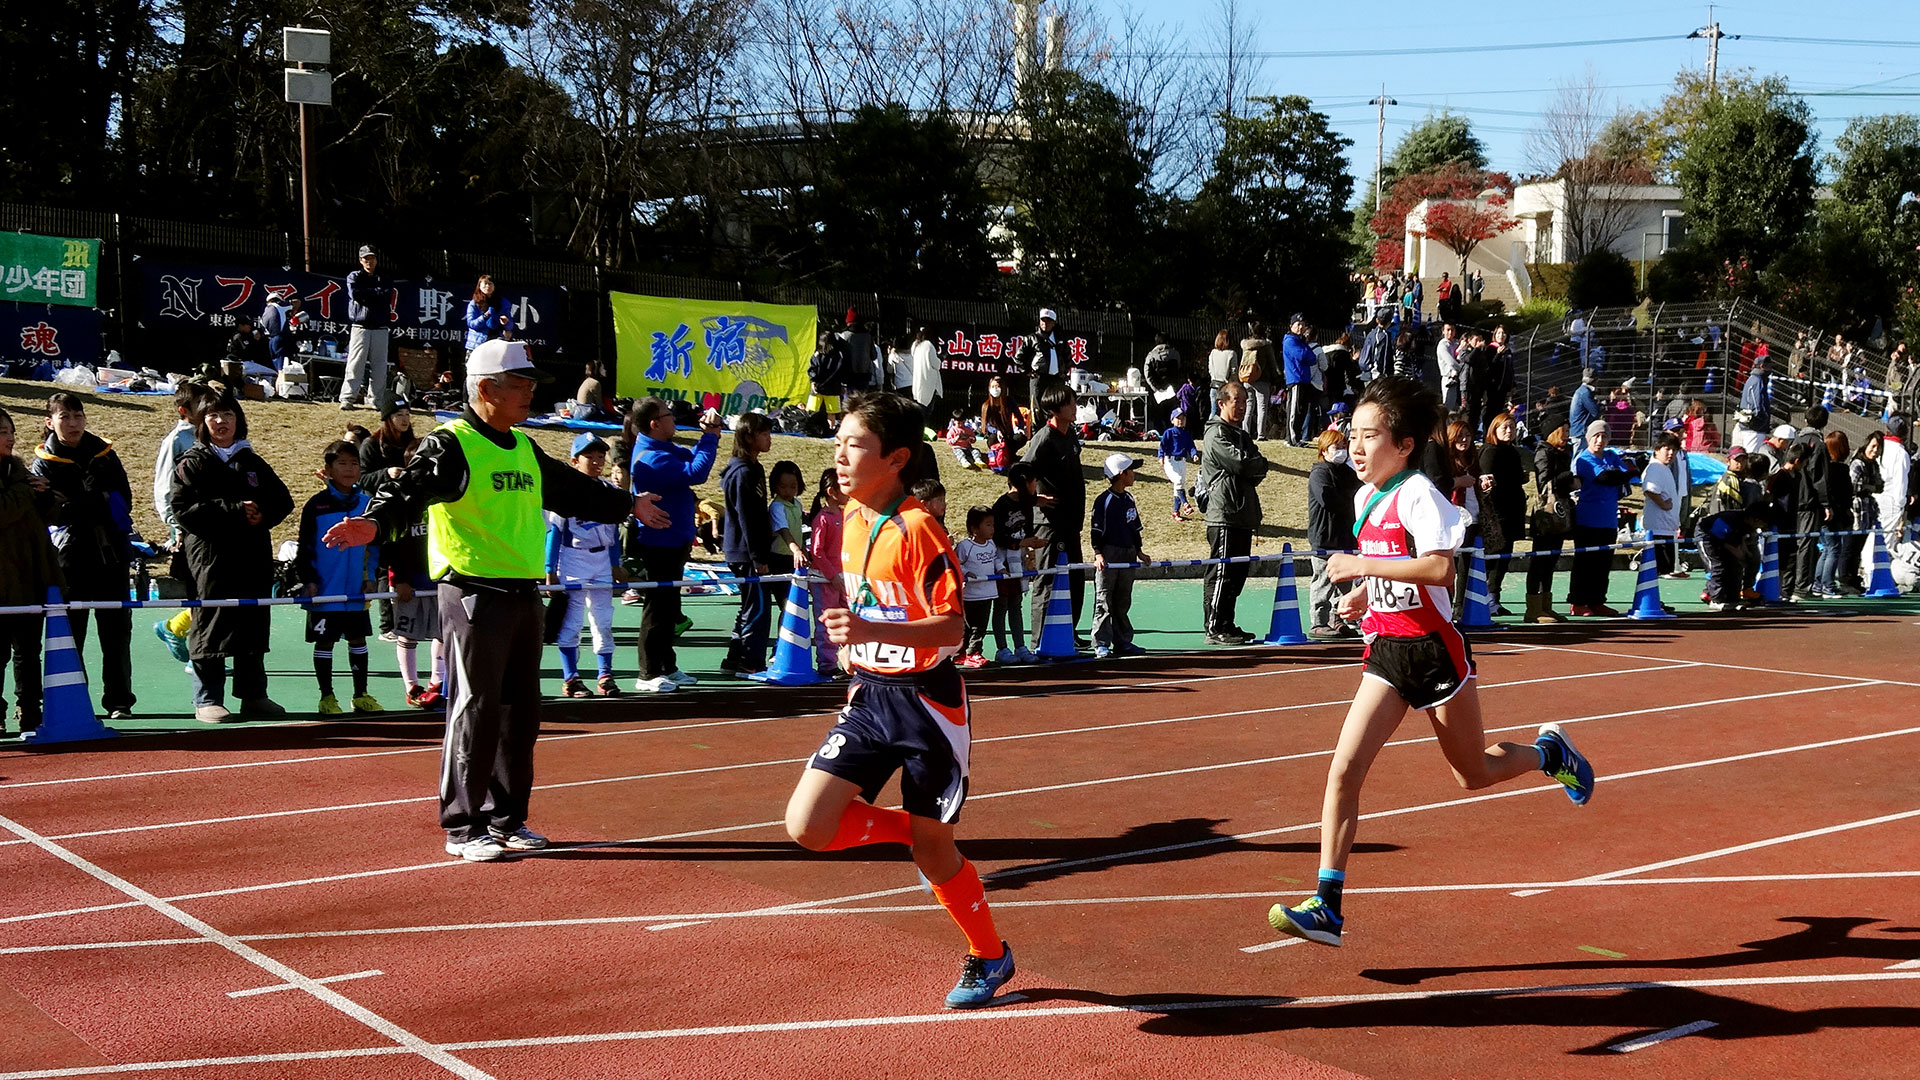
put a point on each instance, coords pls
(586, 441)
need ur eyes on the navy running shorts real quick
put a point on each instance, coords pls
(334, 625)
(1426, 671)
(917, 725)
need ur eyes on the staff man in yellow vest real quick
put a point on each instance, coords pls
(482, 486)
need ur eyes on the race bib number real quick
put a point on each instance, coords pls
(1385, 595)
(881, 656)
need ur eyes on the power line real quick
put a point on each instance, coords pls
(1837, 42)
(1338, 54)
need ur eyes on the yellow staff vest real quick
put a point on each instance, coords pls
(495, 528)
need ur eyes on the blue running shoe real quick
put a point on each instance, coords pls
(1313, 920)
(1101, 652)
(1574, 771)
(176, 645)
(1025, 655)
(1004, 656)
(1133, 650)
(981, 979)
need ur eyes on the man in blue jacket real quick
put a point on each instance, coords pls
(1297, 361)
(1585, 408)
(671, 471)
(370, 310)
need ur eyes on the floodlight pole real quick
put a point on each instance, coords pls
(308, 162)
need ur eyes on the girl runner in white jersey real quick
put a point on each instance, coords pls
(1415, 656)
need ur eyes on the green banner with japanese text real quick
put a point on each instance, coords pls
(750, 356)
(49, 270)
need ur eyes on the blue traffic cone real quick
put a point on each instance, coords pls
(67, 713)
(1882, 585)
(1707, 390)
(1478, 613)
(1646, 591)
(1056, 632)
(1285, 629)
(793, 653)
(1768, 583)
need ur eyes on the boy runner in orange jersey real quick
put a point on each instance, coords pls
(907, 709)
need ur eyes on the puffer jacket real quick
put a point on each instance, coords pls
(27, 563)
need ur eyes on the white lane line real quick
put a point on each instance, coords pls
(662, 728)
(1092, 860)
(266, 815)
(1531, 892)
(207, 1063)
(1267, 946)
(1752, 846)
(349, 977)
(340, 1003)
(986, 1016)
(1728, 667)
(666, 920)
(1905, 965)
(1659, 1037)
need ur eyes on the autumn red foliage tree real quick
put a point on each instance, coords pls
(1455, 181)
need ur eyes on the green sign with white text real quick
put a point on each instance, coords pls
(49, 270)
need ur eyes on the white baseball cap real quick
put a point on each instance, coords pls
(1047, 313)
(499, 357)
(1119, 463)
(1784, 431)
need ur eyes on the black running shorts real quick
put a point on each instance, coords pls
(1425, 671)
(917, 725)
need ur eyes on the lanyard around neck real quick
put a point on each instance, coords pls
(1385, 490)
(866, 596)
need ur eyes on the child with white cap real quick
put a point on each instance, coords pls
(588, 552)
(1116, 539)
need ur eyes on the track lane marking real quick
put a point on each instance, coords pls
(1659, 1037)
(676, 773)
(1093, 860)
(656, 729)
(340, 1003)
(258, 990)
(678, 919)
(980, 1016)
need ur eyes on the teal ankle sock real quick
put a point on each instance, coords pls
(1332, 883)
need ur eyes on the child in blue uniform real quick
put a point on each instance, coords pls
(1177, 451)
(329, 571)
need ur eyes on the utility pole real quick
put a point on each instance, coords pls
(1380, 142)
(1713, 34)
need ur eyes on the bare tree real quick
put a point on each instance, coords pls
(646, 79)
(1568, 146)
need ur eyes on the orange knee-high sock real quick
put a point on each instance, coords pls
(966, 901)
(863, 824)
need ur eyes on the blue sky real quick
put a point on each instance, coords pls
(1503, 91)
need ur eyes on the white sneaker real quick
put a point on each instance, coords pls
(478, 849)
(520, 839)
(662, 685)
(681, 678)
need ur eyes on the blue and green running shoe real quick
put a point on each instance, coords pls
(176, 645)
(980, 979)
(1574, 772)
(1313, 920)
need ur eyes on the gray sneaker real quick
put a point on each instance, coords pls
(520, 839)
(478, 849)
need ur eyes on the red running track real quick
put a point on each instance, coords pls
(1734, 903)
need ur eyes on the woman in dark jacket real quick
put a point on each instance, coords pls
(1503, 496)
(227, 500)
(1838, 517)
(28, 567)
(1554, 481)
(1863, 477)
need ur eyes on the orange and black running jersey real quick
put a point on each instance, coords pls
(903, 571)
